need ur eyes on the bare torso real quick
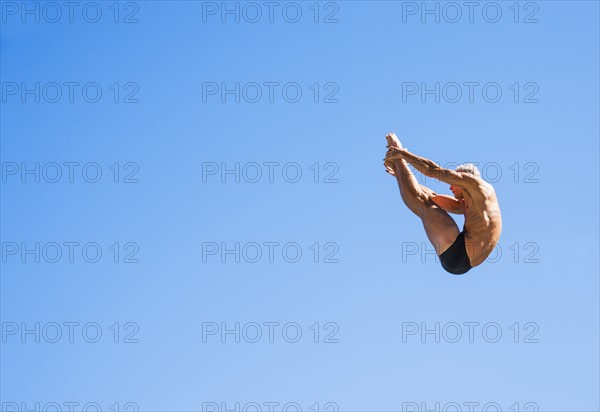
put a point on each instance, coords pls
(483, 222)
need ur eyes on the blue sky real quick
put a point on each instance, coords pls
(189, 159)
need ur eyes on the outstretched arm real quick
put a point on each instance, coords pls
(449, 204)
(432, 169)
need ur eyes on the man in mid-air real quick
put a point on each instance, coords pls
(473, 197)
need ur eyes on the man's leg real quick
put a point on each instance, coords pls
(441, 229)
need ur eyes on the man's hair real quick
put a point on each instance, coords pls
(469, 168)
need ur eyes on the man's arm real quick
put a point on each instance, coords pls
(449, 204)
(431, 169)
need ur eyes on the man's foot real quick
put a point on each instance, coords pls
(393, 141)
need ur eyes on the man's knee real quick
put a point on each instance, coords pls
(425, 197)
(421, 204)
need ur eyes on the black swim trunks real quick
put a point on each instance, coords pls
(455, 259)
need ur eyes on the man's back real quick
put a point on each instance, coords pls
(483, 221)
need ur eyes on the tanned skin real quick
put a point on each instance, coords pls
(473, 197)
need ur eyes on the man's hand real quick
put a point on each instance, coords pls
(394, 146)
(395, 153)
(389, 165)
(392, 154)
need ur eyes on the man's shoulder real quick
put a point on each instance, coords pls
(481, 188)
